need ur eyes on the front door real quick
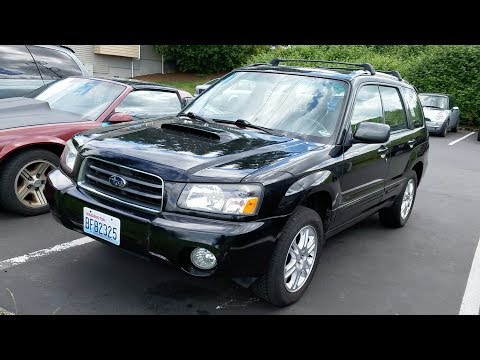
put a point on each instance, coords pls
(365, 165)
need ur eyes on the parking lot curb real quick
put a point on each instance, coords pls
(5, 312)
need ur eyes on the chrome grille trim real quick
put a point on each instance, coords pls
(139, 193)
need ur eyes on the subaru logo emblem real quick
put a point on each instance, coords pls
(117, 181)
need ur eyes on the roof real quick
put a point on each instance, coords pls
(436, 94)
(341, 73)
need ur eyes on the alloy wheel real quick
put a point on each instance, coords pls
(30, 183)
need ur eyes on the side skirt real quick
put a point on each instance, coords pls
(365, 215)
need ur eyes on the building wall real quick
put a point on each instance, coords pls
(120, 66)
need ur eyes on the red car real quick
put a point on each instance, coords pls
(33, 131)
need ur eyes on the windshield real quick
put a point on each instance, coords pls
(291, 104)
(436, 101)
(88, 98)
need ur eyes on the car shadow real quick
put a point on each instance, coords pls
(161, 288)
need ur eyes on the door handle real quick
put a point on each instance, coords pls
(411, 142)
(383, 151)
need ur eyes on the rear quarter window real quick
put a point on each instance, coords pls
(414, 107)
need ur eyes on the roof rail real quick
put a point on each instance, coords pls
(393, 73)
(365, 66)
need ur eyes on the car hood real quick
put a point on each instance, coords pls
(20, 112)
(191, 150)
(436, 115)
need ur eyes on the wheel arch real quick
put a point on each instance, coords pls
(321, 202)
(418, 168)
(54, 145)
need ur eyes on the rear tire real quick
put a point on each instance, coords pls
(455, 129)
(399, 212)
(478, 136)
(292, 267)
(22, 181)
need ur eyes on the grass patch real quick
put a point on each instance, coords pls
(183, 85)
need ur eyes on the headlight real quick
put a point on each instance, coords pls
(237, 199)
(69, 156)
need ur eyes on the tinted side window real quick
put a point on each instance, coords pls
(54, 64)
(393, 109)
(148, 104)
(414, 107)
(17, 63)
(368, 106)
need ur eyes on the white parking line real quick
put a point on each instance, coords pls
(471, 297)
(460, 139)
(5, 264)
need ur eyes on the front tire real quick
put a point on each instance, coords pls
(478, 136)
(399, 212)
(23, 179)
(294, 259)
(444, 131)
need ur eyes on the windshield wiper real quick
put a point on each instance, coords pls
(435, 107)
(192, 115)
(246, 124)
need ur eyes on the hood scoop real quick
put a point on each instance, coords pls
(207, 135)
(23, 105)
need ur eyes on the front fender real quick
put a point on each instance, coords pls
(322, 181)
(22, 142)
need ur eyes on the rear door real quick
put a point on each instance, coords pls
(18, 72)
(365, 165)
(402, 138)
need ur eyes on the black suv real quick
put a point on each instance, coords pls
(24, 68)
(252, 176)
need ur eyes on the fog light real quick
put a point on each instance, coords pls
(203, 259)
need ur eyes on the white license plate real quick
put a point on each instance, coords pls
(102, 225)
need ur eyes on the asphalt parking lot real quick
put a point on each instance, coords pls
(422, 268)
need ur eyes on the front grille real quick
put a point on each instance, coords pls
(142, 190)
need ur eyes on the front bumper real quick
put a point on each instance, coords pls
(435, 130)
(241, 248)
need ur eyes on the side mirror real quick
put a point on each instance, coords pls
(455, 108)
(187, 101)
(120, 117)
(372, 133)
(427, 119)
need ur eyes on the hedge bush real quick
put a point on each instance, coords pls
(454, 70)
(208, 59)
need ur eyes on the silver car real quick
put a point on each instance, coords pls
(201, 88)
(440, 112)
